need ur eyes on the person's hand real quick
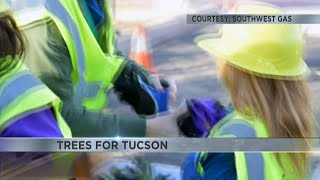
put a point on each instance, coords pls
(162, 126)
(161, 82)
(182, 112)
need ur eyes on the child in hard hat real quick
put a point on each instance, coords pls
(262, 68)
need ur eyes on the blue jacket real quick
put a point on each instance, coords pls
(217, 166)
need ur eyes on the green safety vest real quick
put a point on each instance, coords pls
(93, 69)
(249, 166)
(21, 94)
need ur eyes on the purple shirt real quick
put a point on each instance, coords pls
(41, 124)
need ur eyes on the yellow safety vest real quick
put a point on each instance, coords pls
(94, 70)
(249, 166)
(21, 93)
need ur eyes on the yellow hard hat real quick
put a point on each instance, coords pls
(273, 50)
(4, 6)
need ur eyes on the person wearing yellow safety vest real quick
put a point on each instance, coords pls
(262, 68)
(77, 58)
(28, 108)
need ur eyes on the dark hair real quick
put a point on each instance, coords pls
(11, 42)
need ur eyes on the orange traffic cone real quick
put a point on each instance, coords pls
(230, 5)
(140, 51)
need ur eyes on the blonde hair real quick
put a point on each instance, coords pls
(282, 105)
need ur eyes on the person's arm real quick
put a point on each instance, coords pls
(157, 81)
(220, 166)
(48, 58)
(144, 72)
(85, 123)
(136, 86)
(38, 124)
(215, 166)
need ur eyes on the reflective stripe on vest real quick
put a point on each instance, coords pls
(12, 89)
(93, 70)
(254, 161)
(56, 8)
(22, 94)
(19, 83)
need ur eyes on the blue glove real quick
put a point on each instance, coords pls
(161, 98)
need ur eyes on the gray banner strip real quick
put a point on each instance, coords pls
(158, 144)
(253, 19)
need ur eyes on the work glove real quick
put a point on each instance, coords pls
(160, 82)
(196, 117)
(145, 92)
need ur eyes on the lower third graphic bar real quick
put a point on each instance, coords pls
(159, 145)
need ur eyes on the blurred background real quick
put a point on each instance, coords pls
(174, 54)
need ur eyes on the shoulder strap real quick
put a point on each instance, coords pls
(250, 166)
(238, 128)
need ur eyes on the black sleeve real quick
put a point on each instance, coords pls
(135, 66)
